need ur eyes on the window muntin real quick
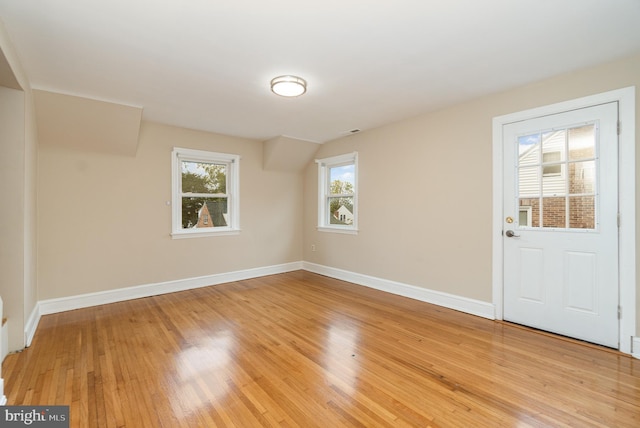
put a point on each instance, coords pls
(337, 193)
(205, 193)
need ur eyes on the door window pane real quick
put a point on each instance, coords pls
(529, 182)
(582, 177)
(529, 149)
(532, 207)
(551, 162)
(582, 211)
(553, 183)
(554, 141)
(554, 212)
(582, 142)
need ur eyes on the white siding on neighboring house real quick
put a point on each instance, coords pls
(344, 215)
(529, 178)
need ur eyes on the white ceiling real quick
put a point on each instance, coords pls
(206, 64)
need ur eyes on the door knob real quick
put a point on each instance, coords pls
(511, 234)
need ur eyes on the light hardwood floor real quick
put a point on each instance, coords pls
(300, 349)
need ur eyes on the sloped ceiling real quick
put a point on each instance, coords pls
(7, 78)
(85, 124)
(7, 74)
(287, 154)
(206, 64)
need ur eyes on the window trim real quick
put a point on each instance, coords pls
(323, 193)
(233, 191)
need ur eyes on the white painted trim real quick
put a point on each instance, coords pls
(323, 192)
(51, 306)
(497, 257)
(462, 304)
(636, 347)
(233, 192)
(4, 336)
(31, 325)
(198, 234)
(337, 230)
(627, 207)
(3, 398)
(627, 232)
(4, 341)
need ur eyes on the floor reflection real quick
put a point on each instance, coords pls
(341, 359)
(203, 370)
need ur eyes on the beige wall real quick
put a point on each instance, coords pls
(18, 169)
(104, 223)
(12, 213)
(426, 188)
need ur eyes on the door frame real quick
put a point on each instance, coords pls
(626, 201)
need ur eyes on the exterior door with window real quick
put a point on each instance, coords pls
(560, 227)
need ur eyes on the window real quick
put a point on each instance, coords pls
(338, 193)
(524, 219)
(555, 168)
(557, 178)
(205, 193)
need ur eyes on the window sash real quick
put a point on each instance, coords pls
(232, 217)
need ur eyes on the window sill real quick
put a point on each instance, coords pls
(184, 235)
(344, 231)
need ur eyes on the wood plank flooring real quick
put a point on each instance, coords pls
(303, 350)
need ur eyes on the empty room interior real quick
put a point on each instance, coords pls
(376, 214)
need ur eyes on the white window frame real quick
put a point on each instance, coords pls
(324, 186)
(528, 211)
(233, 192)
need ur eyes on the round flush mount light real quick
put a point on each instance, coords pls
(288, 86)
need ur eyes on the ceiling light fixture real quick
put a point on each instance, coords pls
(288, 86)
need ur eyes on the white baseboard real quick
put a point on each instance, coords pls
(51, 306)
(62, 304)
(31, 325)
(462, 304)
(635, 347)
(3, 398)
(4, 337)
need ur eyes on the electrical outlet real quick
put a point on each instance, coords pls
(313, 247)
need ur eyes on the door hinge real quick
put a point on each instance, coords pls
(618, 220)
(619, 127)
(619, 312)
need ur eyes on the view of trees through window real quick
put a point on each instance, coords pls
(341, 194)
(204, 195)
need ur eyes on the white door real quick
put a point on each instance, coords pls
(560, 223)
